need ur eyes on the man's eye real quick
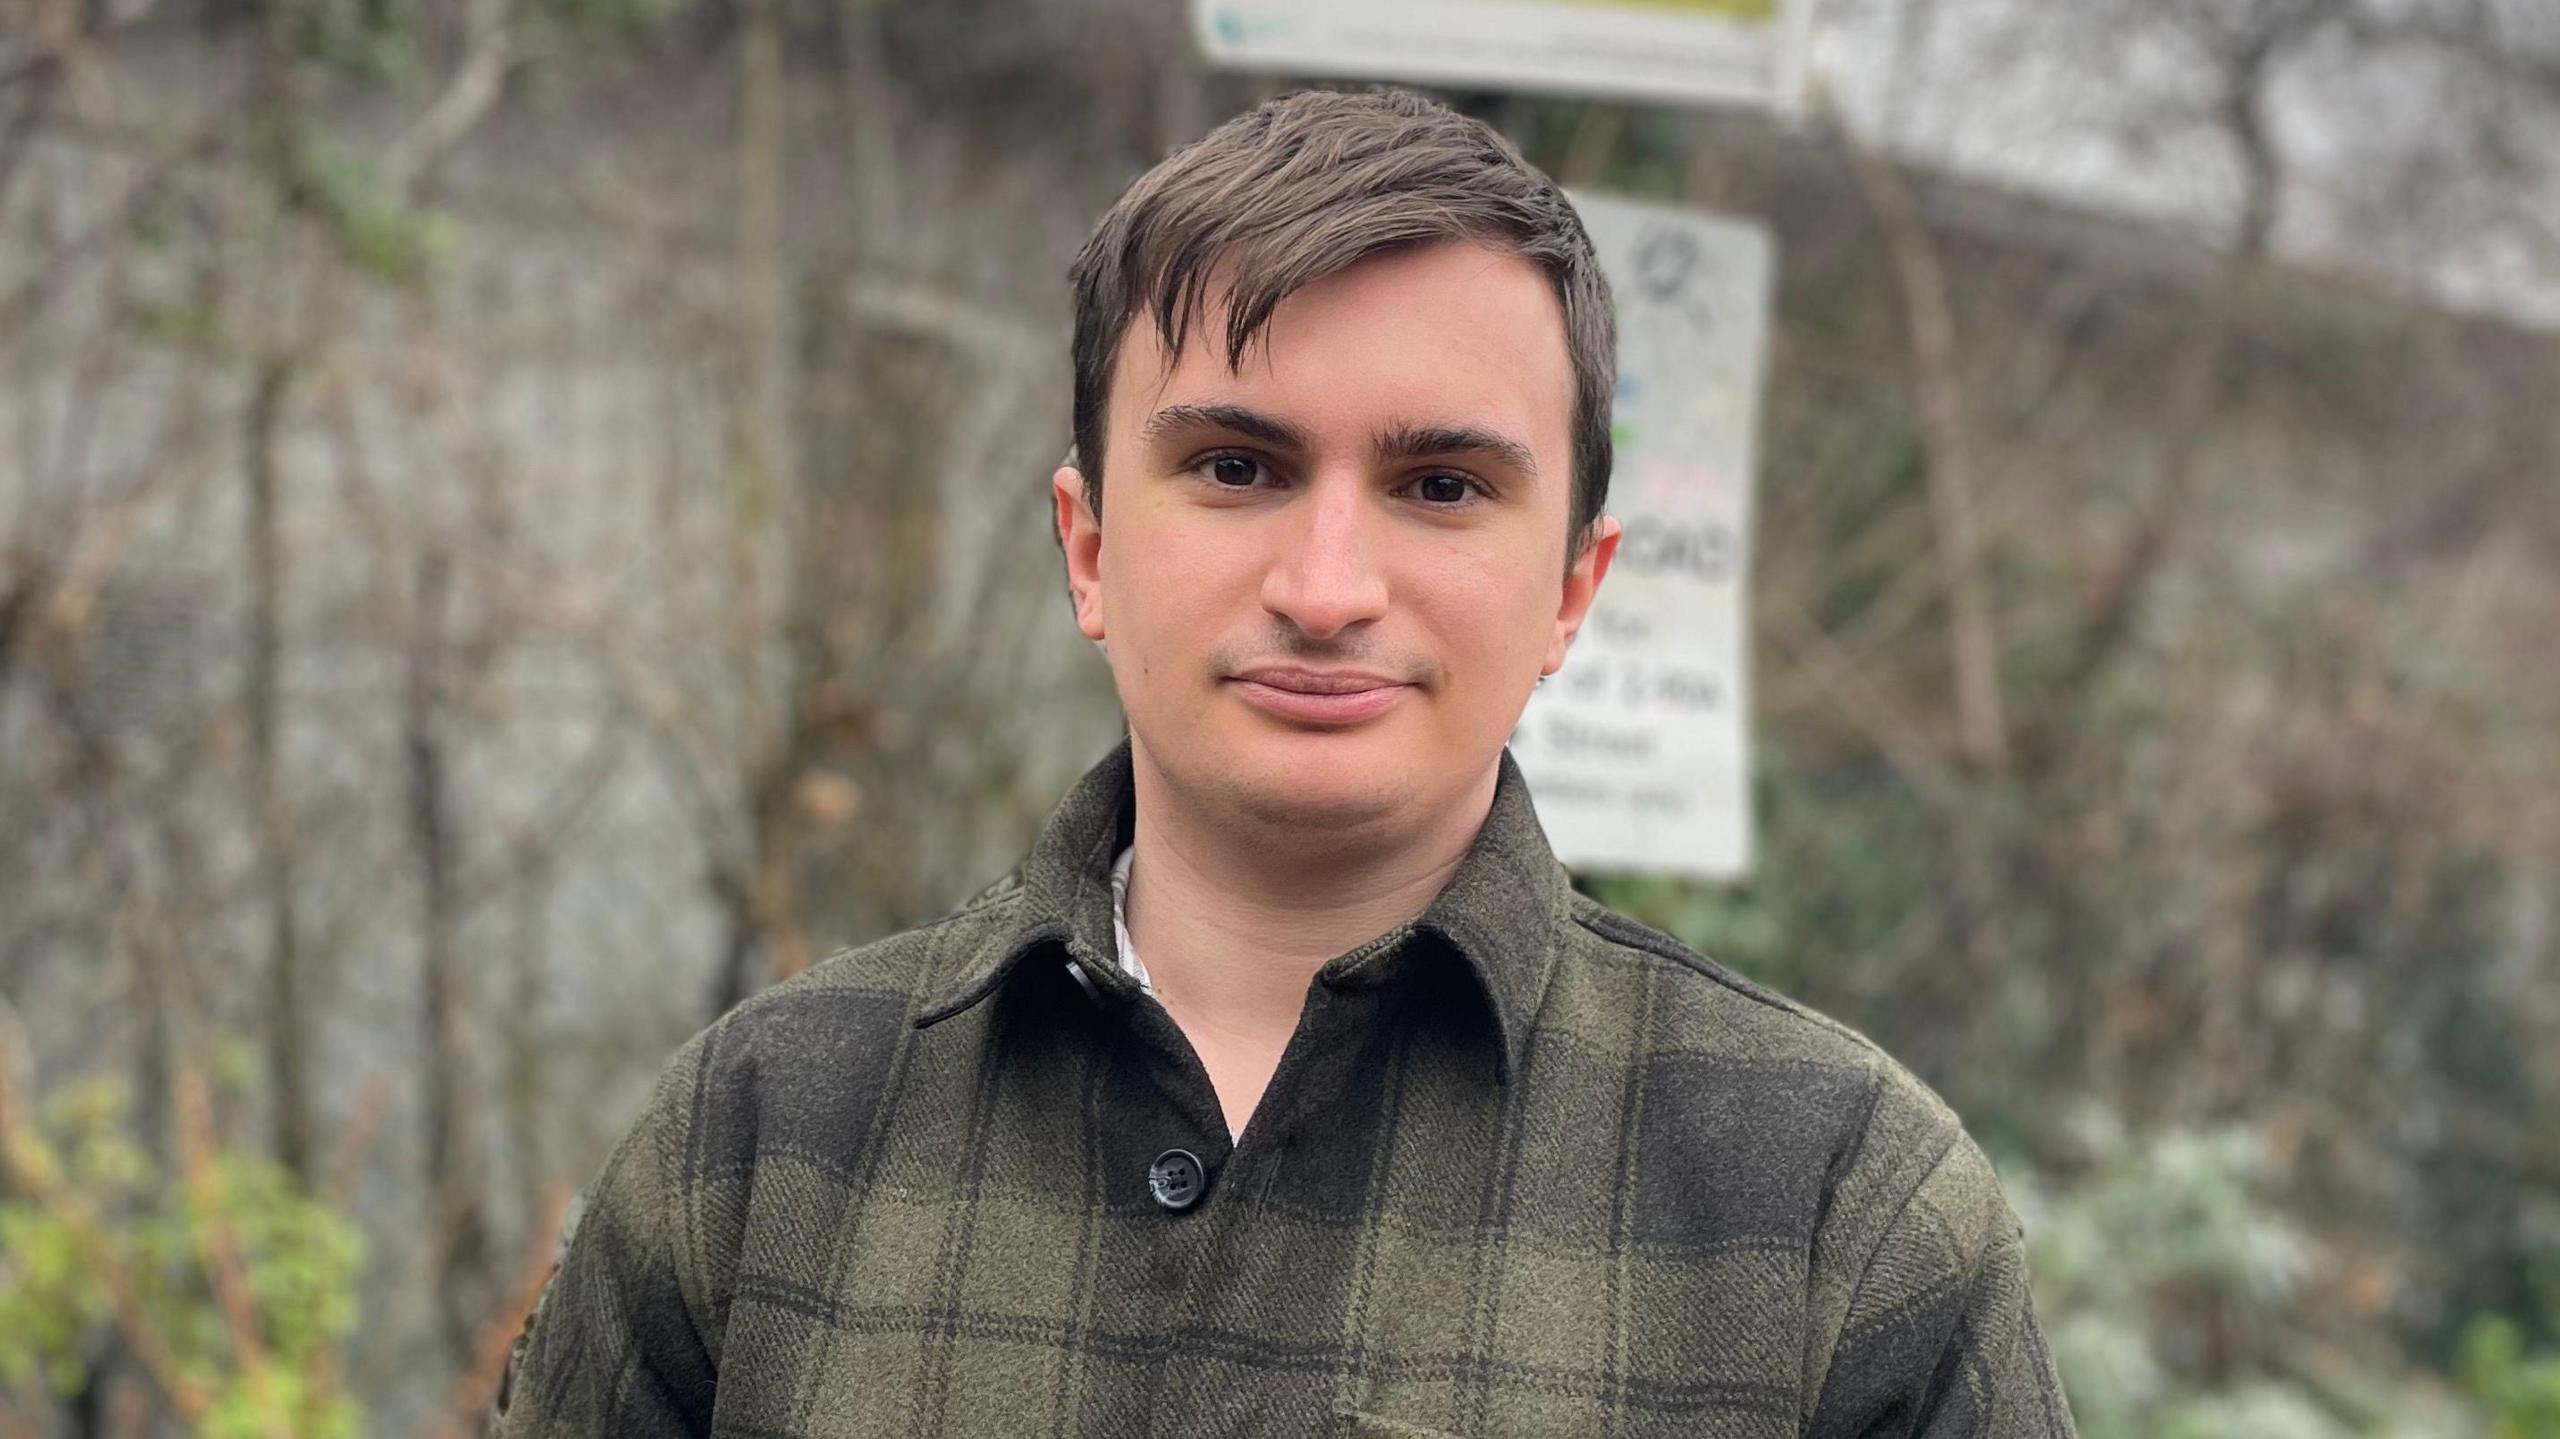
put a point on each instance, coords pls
(1442, 489)
(1235, 472)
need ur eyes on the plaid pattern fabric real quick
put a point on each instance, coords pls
(1526, 1168)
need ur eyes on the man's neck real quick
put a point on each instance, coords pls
(1233, 917)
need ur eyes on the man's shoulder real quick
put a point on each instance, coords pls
(1720, 1030)
(1727, 1008)
(1786, 1122)
(894, 966)
(809, 1053)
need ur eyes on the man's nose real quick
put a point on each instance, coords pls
(1327, 575)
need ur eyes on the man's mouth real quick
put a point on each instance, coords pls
(1326, 697)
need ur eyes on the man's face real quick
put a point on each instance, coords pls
(1327, 583)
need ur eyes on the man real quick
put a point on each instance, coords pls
(1287, 1087)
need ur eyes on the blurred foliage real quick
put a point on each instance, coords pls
(388, 44)
(387, 48)
(101, 1253)
(2165, 1279)
(2520, 1393)
(379, 235)
(2180, 1302)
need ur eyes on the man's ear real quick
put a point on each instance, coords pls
(1080, 535)
(1581, 586)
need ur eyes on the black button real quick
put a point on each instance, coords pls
(1176, 1179)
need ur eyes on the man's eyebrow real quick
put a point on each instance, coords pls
(1253, 424)
(1421, 442)
(1397, 442)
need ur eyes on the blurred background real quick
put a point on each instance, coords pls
(524, 521)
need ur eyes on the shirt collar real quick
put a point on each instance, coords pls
(1499, 912)
(1128, 951)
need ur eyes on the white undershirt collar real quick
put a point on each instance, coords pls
(1128, 953)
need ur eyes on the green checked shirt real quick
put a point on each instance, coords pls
(1526, 1168)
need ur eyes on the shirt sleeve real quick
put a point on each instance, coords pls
(1941, 1340)
(613, 1347)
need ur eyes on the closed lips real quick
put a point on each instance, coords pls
(1318, 682)
(1327, 699)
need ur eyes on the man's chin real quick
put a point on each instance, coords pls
(1311, 792)
(1286, 780)
(1330, 810)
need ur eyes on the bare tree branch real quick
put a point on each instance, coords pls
(468, 96)
(1937, 377)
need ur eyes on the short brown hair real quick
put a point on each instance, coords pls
(1307, 185)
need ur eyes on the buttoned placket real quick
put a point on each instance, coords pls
(1331, 1014)
(1200, 1234)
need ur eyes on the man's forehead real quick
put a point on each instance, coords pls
(1337, 316)
(1373, 283)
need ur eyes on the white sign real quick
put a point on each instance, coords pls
(1638, 749)
(1748, 52)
